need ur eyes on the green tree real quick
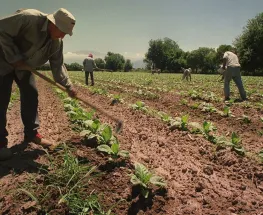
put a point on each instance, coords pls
(100, 63)
(249, 46)
(114, 61)
(165, 54)
(74, 67)
(128, 65)
(220, 52)
(202, 60)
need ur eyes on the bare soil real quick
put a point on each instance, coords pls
(201, 179)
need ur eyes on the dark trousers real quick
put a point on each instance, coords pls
(29, 103)
(87, 77)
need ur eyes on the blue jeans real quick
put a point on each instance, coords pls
(28, 99)
(233, 73)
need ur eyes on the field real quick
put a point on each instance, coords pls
(182, 149)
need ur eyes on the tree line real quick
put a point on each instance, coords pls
(112, 61)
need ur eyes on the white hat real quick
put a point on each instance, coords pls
(64, 20)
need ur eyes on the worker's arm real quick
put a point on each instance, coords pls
(94, 64)
(224, 60)
(59, 71)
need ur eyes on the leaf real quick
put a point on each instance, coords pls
(71, 113)
(123, 153)
(88, 123)
(142, 173)
(85, 133)
(184, 118)
(157, 180)
(91, 136)
(68, 107)
(235, 139)
(106, 134)
(105, 148)
(134, 180)
(240, 151)
(140, 104)
(196, 127)
(115, 148)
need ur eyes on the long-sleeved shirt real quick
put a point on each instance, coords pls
(24, 36)
(89, 64)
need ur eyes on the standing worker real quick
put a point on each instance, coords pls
(28, 39)
(232, 67)
(89, 65)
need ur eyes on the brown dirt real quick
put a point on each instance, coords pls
(200, 179)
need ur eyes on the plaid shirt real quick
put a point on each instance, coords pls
(24, 36)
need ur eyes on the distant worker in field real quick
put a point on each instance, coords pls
(186, 73)
(154, 69)
(28, 39)
(89, 65)
(232, 71)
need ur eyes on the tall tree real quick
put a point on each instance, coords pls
(100, 63)
(128, 65)
(114, 61)
(249, 46)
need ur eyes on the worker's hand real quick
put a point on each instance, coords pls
(71, 92)
(20, 65)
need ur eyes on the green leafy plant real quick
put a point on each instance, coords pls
(116, 99)
(227, 111)
(208, 107)
(194, 94)
(139, 105)
(180, 123)
(208, 127)
(165, 117)
(102, 132)
(260, 154)
(113, 150)
(195, 106)
(236, 144)
(183, 101)
(195, 127)
(143, 177)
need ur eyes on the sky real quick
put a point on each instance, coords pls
(127, 26)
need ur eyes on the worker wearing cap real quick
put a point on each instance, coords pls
(89, 65)
(30, 38)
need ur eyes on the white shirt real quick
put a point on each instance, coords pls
(232, 59)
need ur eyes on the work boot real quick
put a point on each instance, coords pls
(38, 139)
(5, 154)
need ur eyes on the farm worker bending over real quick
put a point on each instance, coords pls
(89, 64)
(232, 66)
(30, 38)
